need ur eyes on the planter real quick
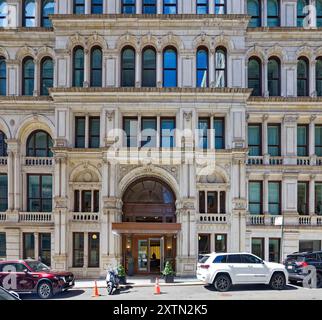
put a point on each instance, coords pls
(169, 279)
(122, 279)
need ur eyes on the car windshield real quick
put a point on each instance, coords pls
(38, 266)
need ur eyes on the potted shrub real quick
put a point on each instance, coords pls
(121, 274)
(168, 273)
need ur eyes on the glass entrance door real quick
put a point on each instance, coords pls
(143, 255)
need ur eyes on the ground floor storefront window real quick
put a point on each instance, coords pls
(258, 247)
(309, 245)
(45, 248)
(78, 249)
(220, 243)
(274, 250)
(204, 243)
(28, 246)
(93, 250)
(3, 245)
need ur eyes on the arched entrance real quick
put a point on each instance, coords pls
(148, 226)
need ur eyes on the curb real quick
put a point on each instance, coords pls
(146, 285)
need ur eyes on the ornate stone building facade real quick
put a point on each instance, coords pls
(140, 132)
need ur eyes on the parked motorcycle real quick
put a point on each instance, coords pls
(112, 281)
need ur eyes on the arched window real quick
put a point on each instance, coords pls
(254, 10)
(202, 6)
(303, 77)
(318, 4)
(128, 67)
(39, 144)
(128, 6)
(78, 67)
(220, 67)
(301, 11)
(46, 75)
(28, 76)
(170, 67)
(29, 13)
(149, 6)
(169, 6)
(3, 13)
(3, 145)
(97, 7)
(318, 76)
(274, 76)
(220, 6)
(79, 7)
(255, 76)
(96, 67)
(273, 13)
(149, 67)
(202, 67)
(47, 8)
(3, 76)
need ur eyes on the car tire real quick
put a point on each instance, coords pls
(222, 283)
(278, 281)
(45, 290)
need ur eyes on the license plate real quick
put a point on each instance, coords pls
(290, 267)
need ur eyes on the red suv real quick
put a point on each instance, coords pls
(34, 277)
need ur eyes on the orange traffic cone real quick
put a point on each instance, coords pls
(95, 291)
(157, 289)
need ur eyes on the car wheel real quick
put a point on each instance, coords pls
(278, 281)
(222, 283)
(45, 290)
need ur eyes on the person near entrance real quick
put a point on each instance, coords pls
(154, 256)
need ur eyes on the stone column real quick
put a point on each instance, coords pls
(87, 6)
(10, 171)
(138, 69)
(265, 79)
(38, 13)
(36, 78)
(159, 68)
(312, 194)
(86, 131)
(212, 68)
(211, 8)
(87, 64)
(159, 7)
(312, 140)
(312, 78)
(138, 7)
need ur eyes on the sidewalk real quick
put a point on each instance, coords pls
(138, 282)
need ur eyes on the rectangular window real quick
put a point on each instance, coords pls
(168, 126)
(318, 198)
(220, 7)
(274, 250)
(302, 140)
(3, 245)
(79, 6)
(78, 249)
(149, 132)
(79, 132)
(93, 250)
(47, 9)
(255, 140)
(274, 140)
(45, 248)
(258, 247)
(97, 7)
(202, 200)
(28, 246)
(39, 193)
(222, 202)
(169, 6)
(149, 7)
(202, 6)
(318, 140)
(219, 127)
(86, 201)
(128, 6)
(255, 196)
(87, 204)
(274, 198)
(76, 201)
(220, 243)
(302, 198)
(309, 245)
(96, 201)
(94, 132)
(212, 202)
(3, 192)
(203, 127)
(273, 14)
(29, 13)
(130, 126)
(204, 243)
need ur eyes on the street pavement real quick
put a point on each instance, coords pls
(192, 292)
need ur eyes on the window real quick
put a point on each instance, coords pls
(170, 67)
(39, 193)
(202, 67)
(302, 140)
(220, 68)
(202, 6)
(46, 76)
(128, 6)
(216, 202)
(302, 198)
(29, 13)
(255, 76)
(79, 6)
(274, 140)
(78, 249)
(318, 198)
(149, 65)
(86, 201)
(318, 76)
(94, 132)
(274, 76)
(28, 76)
(254, 10)
(149, 130)
(96, 67)
(45, 248)
(255, 140)
(301, 12)
(204, 243)
(149, 7)
(47, 8)
(318, 5)
(28, 246)
(234, 258)
(219, 127)
(93, 250)
(302, 77)
(3, 145)
(79, 132)
(203, 127)
(220, 6)
(220, 243)
(318, 140)
(39, 144)
(274, 250)
(3, 192)
(273, 13)
(130, 126)
(97, 7)
(3, 13)
(128, 67)
(202, 208)
(78, 67)
(309, 245)
(168, 126)
(218, 259)
(3, 245)
(274, 198)
(3, 76)
(255, 197)
(247, 258)
(169, 6)
(212, 202)
(258, 247)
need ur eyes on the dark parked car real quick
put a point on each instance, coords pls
(34, 277)
(8, 295)
(296, 264)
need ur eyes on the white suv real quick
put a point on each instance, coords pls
(226, 269)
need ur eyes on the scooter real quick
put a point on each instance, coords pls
(112, 281)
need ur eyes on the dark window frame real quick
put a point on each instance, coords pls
(41, 249)
(202, 5)
(221, 5)
(262, 255)
(278, 79)
(80, 250)
(260, 137)
(170, 5)
(142, 142)
(223, 120)
(128, 69)
(40, 199)
(78, 69)
(258, 17)
(204, 136)
(315, 144)
(90, 239)
(3, 144)
(93, 69)
(90, 135)
(306, 78)
(24, 253)
(306, 146)
(43, 16)
(279, 138)
(26, 17)
(198, 68)
(97, 5)
(3, 78)
(144, 68)
(164, 69)
(317, 183)
(278, 16)
(78, 5)
(162, 135)
(149, 5)
(206, 236)
(3, 243)
(5, 198)
(306, 196)
(300, 16)
(128, 5)
(127, 137)
(217, 69)
(34, 148)
(261, 201)
(44, 90)
(280, 196)
(259, 80)
(77, 135)
(27, 78)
